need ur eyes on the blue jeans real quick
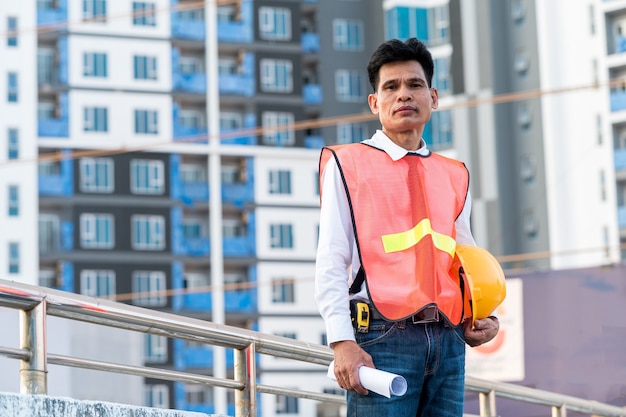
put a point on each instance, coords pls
(431, 357)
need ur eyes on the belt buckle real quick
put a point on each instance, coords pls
(428, 315)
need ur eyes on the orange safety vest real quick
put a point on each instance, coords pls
(403, 215)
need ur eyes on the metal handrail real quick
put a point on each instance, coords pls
(35, 303)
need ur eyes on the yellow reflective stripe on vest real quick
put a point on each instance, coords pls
(397, 242)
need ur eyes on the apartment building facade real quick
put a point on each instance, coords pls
(108, 156)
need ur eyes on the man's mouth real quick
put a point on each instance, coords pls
(404, 109)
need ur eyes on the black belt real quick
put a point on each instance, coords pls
(430, 314)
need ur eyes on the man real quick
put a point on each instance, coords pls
(391, 215)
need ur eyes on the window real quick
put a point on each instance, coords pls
(233, 228)
(97, 231)
(149, 288)
(442, 80)
(195, 65)
(278, 128)
(12, 87)
(191, 119)
(518, 10)
(95, 119)
(14, 201)
(232, 174)
(191, 14)
(276, 75)
(144, 14)
(602, 185)
(274, 23)
(46, 72)
(146, 122)
(48, 233)
(280, 182)
(157, 396)
(349, 86)
(230, 121)
(95, 64)
(288, 335)
(283, 291)
(347, 35)
(528, 168)
(192, 228)
(96, 175)
(148, 232)
(227, 66)
(95, 10)
(524, 116)
(522, 62)
(432, 25)
(12, 31)
(199, 394)
(226, 13)
(441, 129)
(155, 348)
(145, 67)
(441, 24)
(45, 110)
(14, 258)
(191, 173)
(47, 278)
(98, 283)
(286, 405)
(530, 225)
(281, 236)
(13, 145)
(351, 132)
(146, 176)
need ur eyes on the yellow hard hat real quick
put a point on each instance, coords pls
(484, 279)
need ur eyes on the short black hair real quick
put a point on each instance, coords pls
(395, 50)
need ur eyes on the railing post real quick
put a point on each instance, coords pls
(242, 397)
(487, 403)
(245, 371)
(251, 377)
(559, 411)
(33, 373)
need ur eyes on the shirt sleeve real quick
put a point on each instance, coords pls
(463, 230)
(334, 256)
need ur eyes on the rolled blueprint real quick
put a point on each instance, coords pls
(381, 382)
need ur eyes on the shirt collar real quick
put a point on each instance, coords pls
(395, 152)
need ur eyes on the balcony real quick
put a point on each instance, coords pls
(189, 29)
(621, 217)
(239, 31)
(312, 93)
(310, 42)
(619, 156)
(618, 100)
(60, 184)
(241, 85)
(195, 192)
(51, 16)
(189, 83)
(200, 356)
(314, 142)
(234, 301)
(56, 127)
(238, 193)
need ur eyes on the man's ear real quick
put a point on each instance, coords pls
(372, 100)
(434, 94)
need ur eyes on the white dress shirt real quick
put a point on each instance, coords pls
(337, 257)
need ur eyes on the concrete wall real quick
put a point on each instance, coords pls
(18, 405)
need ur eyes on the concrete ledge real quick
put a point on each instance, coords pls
(21, 405)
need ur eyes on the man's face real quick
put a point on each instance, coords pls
(403, 100)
